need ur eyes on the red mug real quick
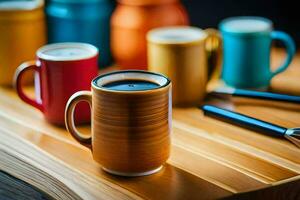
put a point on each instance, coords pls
(61, 70)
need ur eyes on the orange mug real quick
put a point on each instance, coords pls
(131, 121)
(131, 21)
(22, 32)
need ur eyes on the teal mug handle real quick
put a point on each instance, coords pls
(290, 49)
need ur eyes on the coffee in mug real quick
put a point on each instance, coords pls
(131, 121)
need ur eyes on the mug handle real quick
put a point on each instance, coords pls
(213, 47)
(69, 116)
(290, 49)
(27, 66)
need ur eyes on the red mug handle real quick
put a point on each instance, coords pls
(27, 66)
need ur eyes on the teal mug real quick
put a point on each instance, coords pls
(247, 47)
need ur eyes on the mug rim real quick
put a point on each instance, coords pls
(101, 88)
(150, 37)
(26, 5)
(223, 29)
(93, 51)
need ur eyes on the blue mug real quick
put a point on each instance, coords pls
(85, 21)
(246, 51)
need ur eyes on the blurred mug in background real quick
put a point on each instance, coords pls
(247, 48)
(130, 23)
(184, 54)
(81, 21)
(61, 69)
(22, 32)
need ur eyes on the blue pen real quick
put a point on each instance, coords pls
(293, 134)
(252, 94)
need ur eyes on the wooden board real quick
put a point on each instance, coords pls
(12, 188)
(209, 159)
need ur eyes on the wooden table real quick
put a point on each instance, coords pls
(209, 159)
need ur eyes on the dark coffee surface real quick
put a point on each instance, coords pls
(131, 85)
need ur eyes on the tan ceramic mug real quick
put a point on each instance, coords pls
(186, 55)
(131, 121)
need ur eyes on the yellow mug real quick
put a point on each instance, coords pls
(22, 32)
(187, 55)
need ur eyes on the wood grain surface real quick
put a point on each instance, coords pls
(209, 159)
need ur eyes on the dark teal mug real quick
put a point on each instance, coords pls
(247, 47)
(85, 21)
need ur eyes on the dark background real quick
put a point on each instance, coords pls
(285, 14)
